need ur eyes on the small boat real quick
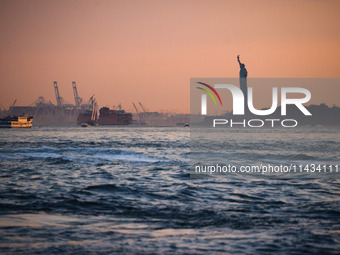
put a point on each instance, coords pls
(16, 122)
(182, 124)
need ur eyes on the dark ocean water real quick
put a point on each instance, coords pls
(101, 190)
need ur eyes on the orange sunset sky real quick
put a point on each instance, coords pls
(130, 51)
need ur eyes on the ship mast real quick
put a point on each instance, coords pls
(94, 109)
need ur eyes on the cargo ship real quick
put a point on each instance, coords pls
(106, 117)
(16, 122)
(114, 117)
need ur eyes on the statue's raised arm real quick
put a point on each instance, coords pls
(238, 59)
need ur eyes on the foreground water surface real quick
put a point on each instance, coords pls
(128, 190)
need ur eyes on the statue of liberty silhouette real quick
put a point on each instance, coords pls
(243, 81)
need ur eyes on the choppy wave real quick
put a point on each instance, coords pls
(111, 190)
(79, 154)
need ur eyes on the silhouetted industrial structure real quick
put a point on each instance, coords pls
(47, 113)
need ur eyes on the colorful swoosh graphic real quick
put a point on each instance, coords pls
(208, 92)
(212, 89)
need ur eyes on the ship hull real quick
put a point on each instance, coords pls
(114, 117)
(106, 117)
(114, 120)
(84, 118)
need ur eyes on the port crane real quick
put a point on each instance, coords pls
(142, 107)
(3, 107)
(77, 99)
(38, 101)
(57, 96)
(11, 107)
(136, 110)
